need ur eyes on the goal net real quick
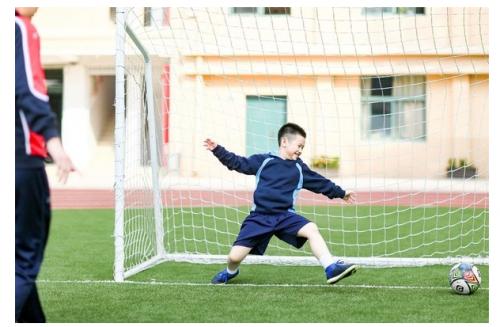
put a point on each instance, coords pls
(394, 101)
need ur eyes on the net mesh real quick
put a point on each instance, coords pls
(394, 101)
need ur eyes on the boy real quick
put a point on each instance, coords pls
(36, 134)
(279, 179)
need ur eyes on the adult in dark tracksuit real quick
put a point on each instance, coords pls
(36, 136)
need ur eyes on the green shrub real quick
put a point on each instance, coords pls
(326, 162)
(457, 163)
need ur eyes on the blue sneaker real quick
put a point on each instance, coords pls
(223, 277)
(339, 270)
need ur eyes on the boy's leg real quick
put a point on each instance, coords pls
(317, 243)
(32, 310)
(335, 270)
(235, 257)
(32, 228)
(237, 254)
(255, 233)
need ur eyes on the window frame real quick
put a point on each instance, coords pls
(394, 115)
(261, 11)
(395, 11)
(158, 16)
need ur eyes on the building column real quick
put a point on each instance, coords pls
(199, 109)
(461, 122)
(76, 130)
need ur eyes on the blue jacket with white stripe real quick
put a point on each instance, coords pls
(278, 181)
(35, 121)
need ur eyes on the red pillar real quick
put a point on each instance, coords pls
(165, 108)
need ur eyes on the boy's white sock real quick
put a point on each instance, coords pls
(326, 260)
(232, 272)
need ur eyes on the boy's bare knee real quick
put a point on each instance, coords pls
(234, 258)
(309, 230)
(237, 254)
(314, 228)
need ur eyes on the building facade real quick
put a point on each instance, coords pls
(392, 92)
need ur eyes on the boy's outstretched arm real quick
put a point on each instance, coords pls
(248, 166)
(318, 184)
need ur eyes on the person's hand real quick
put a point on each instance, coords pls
(209, 144)
(350, 196)
(61, 159)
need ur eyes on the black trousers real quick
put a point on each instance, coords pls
(32, 230)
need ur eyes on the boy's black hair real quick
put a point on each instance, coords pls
(290, 128)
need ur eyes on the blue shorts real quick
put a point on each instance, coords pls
(257, 230)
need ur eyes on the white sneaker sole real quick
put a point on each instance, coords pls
(348, 272)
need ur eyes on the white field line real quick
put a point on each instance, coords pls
(161, 283)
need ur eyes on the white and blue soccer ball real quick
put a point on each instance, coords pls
(464, 278)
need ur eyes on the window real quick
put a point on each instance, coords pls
(244, 10)
(394, 11)
(394, 107)
(156, 16)
(261, 10)
(277, 11)
(112, 14)
(54, 80)
(145, 140)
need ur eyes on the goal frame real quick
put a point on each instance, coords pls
(123, 31)
(120, 274)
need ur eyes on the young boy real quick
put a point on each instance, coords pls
(279, 179)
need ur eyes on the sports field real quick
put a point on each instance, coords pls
(76, 286)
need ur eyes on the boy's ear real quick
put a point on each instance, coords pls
(283, 140)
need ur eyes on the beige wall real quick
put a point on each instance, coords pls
(345, 31)
(479, 122)
(315, 57)
(329, 108)
(70, 32)
(452, 132)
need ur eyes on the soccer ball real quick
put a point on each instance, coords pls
(464, 278)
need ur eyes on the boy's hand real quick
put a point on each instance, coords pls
(61, 159)
(350, 197)
(209, 144)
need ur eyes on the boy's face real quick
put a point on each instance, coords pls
(27, 11)
(292, 146)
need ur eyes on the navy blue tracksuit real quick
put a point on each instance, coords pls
(278, 180)
(278, 184)
(35, 124)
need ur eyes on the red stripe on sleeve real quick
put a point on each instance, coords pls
(37, 144)
(36, 65)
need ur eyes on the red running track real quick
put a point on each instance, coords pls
(65, 199)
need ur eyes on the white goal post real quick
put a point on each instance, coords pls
(394, 102)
